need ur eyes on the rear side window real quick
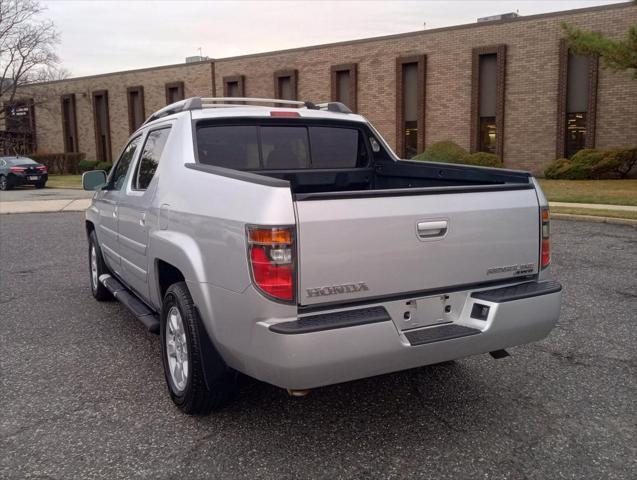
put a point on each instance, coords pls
(280, 147)
(149, 159)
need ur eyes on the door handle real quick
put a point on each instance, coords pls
(436, 228)
(115, 212)
(142, 220)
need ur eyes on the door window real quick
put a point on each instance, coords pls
(118, 174)
(149, 159)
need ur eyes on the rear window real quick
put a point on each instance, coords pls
(280, 147)
(20, 161)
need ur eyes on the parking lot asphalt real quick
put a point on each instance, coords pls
(83, 392)
(29, 194)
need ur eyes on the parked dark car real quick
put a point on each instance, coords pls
(16, 171)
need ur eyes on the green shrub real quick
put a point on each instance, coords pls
(617, 162)
(557, 169)
(87, 165)
(484, 159)
(106, 166)
(445, 151)
(593, 164)
(450, 152)
(60, 162)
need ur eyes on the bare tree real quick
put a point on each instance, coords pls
(27, 54)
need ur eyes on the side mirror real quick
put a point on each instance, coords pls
(93, 180)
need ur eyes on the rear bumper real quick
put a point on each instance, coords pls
(339, 345)
(17, 180)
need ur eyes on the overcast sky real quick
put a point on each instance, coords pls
(106, 36)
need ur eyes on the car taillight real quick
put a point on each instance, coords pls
(545, 257)
(42, 168)
(272, 261)
(17, 169)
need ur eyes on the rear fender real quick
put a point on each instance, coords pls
(179, 250)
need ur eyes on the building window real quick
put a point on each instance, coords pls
(234, 86)
(487, 99)
(102, 126)
(577, 99)
(20, 116)
(136, 112)
(69, 123)
(410, 95)
(285, 84)
(19, 123)
(174, 92)
(344, 85)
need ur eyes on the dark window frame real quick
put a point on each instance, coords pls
(70, 97)
(293, 75)
(239, 80)
(131, 110)
(421, 61)
(352, 69)
(108, 149)
(562, 96)
(500, 53)
(180, 89)
(138, 164)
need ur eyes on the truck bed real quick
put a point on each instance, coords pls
(388, 178)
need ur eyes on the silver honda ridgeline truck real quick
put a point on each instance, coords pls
(291, 244)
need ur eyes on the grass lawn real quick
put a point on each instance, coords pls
(64, 181)
(607, 192)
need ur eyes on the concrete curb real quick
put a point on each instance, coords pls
(592, 218)
(594, 206)
(45, 206)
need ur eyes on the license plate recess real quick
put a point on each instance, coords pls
(421, 312)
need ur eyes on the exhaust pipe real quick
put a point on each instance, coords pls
(298, 393)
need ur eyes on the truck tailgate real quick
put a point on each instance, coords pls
(355, 248)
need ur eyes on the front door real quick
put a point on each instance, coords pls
(135, 207)
(107, 202)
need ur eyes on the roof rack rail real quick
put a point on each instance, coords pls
(337, 107)
(193, 103)
(211, 101)
(197, 103)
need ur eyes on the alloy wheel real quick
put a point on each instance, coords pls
(177, 349)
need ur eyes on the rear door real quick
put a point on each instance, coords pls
(372, 246)
(107, 201)
(134, 208)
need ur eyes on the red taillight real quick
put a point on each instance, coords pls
(284, 114)
(42, 168)
(271, 254)
(546, 234)
(17, 169)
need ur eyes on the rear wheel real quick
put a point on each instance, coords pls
(40, 184)
(4, 183)
(183, 358)
(96, 269)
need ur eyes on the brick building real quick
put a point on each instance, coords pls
(507, 86)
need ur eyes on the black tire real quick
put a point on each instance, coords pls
(99, 291)
(4, 183)
(195, 398)
(40, 185)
